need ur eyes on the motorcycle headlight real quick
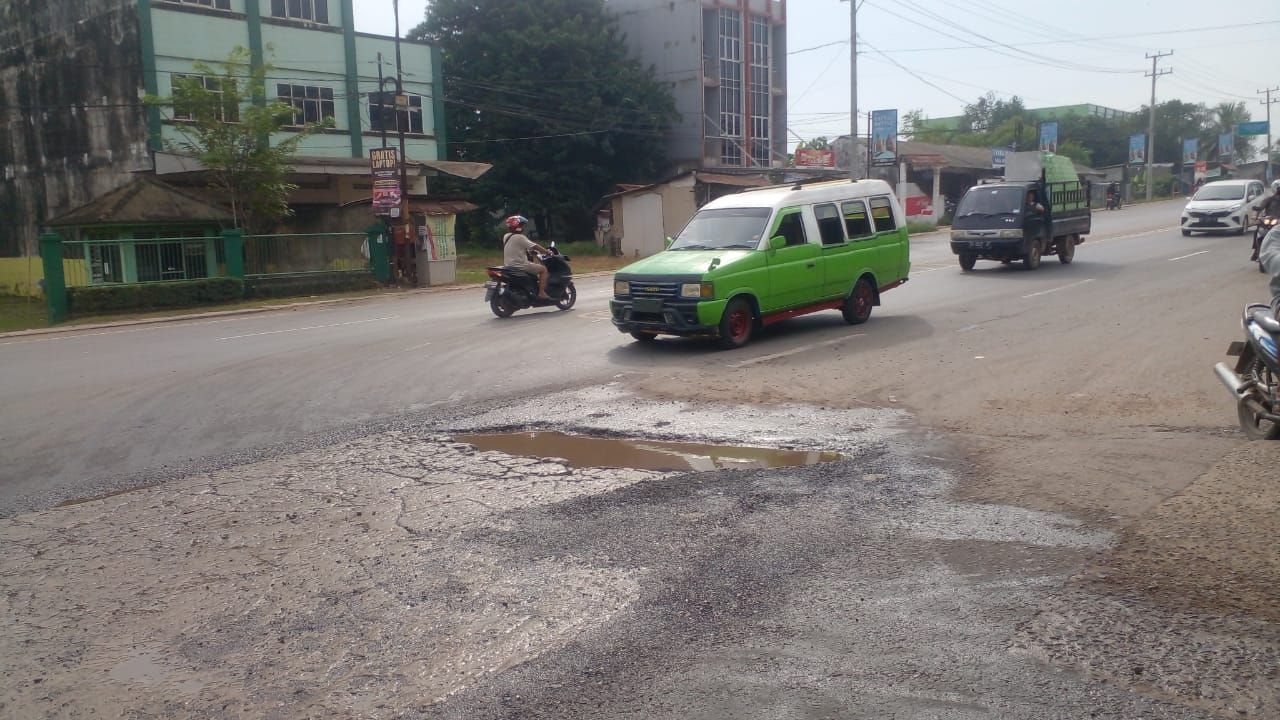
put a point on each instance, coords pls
(621, 287)
(697, 290)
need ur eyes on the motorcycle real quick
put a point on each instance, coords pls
(1255, 380)
(1264, 226)
(512, 288)
(1113, 201)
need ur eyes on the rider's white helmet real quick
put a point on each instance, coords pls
(1275, 186)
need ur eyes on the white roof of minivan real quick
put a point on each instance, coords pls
(788, 195)
(1230, 182)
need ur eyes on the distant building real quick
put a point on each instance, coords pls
(1058, 112)
(726, 63)
(73, 72)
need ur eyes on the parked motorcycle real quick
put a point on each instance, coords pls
(512, 288)
(1264, 226)
(1255, 381)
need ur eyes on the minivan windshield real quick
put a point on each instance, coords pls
(723, 229)
(991, 201)
(1220, 192)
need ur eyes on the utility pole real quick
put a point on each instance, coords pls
(402, 100)
(1266, 153)
(853, 90)
(1151, 121)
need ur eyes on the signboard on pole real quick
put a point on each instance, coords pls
(384, 166)
(1226, 147)
(884, 137)
(999, 158)
(1137, 148)
(1049, 137)
(1190, 147)
(1261, 127)
(808, 157)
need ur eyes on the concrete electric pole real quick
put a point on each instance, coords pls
(1151, 121)
(853, 90)
(1266, 152)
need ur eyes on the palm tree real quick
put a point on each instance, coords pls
(1224, 119)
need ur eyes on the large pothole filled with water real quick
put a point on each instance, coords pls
(582, 451)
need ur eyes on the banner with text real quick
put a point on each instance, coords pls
(1259, 127)
(810, 158)
(884, 137)
(384, 166)
(1137, 148)
(1049, 137)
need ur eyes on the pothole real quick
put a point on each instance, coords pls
(583, 451)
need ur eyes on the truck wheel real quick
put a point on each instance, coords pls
(737, 324)
(1067, 249)
(1032, 260)
(967, 261)
(857, 307)
(1186, 233)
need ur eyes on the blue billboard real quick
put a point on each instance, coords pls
(1259, 127)
(1190, 148)
(884, 137)
(1049, 137)
(999, 158)
(1137, 148)
(1226, 147)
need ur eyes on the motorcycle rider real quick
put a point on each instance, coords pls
(515, 253)
(1268, 207)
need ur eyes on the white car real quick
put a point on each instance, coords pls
(1224, 206)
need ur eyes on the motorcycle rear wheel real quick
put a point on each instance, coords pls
(500, 307)
(1254, 427)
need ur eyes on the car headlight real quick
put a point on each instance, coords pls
(1010, 233)
(621, 287)
(697, 290)
(1234, 208)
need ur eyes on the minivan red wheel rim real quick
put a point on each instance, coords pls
(862, 298)
(739, 324)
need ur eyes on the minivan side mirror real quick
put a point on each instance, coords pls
(668, 241)
(777, 242)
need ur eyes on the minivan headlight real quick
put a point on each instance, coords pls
(621, 287)
(693, 291)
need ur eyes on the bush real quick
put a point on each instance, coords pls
(311, 284)
(153, 296)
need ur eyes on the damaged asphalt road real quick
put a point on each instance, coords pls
(406, 575)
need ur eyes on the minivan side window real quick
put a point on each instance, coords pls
(829, 225)
(791, 227)
(856, 220)
(882, 211)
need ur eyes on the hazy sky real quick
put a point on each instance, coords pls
(1063, 53)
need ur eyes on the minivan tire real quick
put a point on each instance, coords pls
(737, 324)
(857, 307)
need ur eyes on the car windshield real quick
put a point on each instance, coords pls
(991, 201)
(1220, 192)
(723, 229)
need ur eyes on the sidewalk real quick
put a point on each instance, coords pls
(127, 322)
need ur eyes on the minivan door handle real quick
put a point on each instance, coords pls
(812, 264)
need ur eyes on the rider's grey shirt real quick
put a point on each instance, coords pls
(1269, 255)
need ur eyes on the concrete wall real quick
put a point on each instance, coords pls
(71, 126)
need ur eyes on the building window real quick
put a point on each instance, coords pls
(217, 4)
(169, 259)
(761, 146)
(186, 108)
(311, 104)
(731, 87)
(311, 10)
(410, 119)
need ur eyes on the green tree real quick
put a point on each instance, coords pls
(544, 91)
(1224, 118)
(227, 125)
(819, 143)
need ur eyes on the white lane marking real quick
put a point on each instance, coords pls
(310, 327)
(73, 334)
(1131, 235)
(1184, 257)
(1054, 290)
(398, 353)
(793, 351)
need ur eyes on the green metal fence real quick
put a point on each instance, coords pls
(114, 261)
(305, 253)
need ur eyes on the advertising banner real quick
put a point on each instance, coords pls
(807, 157)
(884, 137)
(1190, 147)
(999, 158)
(1137, 148)
(1260, 127)
(1049, 137)
(1226, 147)
(384, 166)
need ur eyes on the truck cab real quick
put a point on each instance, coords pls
(1040, 209)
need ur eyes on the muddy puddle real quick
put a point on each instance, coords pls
(584, 451)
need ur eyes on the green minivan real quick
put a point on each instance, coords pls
(757, 257)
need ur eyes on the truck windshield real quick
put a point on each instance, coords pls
(723, 229)
(1220, 192)
(991, 201)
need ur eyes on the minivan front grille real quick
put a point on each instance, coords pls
(654, 289)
